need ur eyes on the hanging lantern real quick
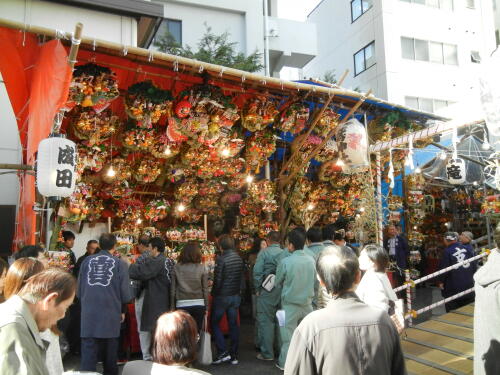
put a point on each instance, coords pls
(55, 170)
(352, 142)
(455, 171)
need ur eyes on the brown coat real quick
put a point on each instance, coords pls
(190, 282)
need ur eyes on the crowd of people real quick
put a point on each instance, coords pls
(321, 306)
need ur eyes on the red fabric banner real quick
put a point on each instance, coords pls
(37, 79)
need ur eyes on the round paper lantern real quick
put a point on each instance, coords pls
(455, 171)
(352, 142)
(55, 168)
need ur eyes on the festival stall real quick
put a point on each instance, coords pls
(192, 149)
(454, 191)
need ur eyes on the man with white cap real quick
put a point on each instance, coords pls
(465, 238)
(458, 279)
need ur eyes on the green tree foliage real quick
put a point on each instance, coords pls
(214, 49)
(330, 77)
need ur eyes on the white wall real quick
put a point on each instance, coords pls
(96, 24)
(243, 19)
(88, 233)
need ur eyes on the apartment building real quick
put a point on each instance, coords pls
(423, 53)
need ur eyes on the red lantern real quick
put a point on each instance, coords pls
(183, 108)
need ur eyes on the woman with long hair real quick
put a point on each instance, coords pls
(189, 290)
(19, 272)
(174, 347)
(375, 288)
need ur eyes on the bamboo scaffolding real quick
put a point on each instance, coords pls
(316, 119)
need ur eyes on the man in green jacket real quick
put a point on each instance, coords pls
(37, 307)
(314, 241)
(296, 276)
(267, 301)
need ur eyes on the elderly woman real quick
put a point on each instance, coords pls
(375, 288)
(174, 347)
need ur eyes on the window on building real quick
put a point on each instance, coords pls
(358, 7)
(174, 27)
(426, 104)
(475, 57)
(470, 4)
(364, 58)
(441, 4)
(450, 54)
(424, 50)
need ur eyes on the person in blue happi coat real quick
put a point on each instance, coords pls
(103, 289)
(458, 279)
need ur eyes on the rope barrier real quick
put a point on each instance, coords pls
(442, 302)
(444, 270)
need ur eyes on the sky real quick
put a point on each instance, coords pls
(294, 10)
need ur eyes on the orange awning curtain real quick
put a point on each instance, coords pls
(37, 78)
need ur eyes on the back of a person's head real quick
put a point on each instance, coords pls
(20, 271)
(190, 253)
(158, 243)
(175, 339)
(226, 242)
(144, 240)
(107, 241)
(297, 238)
(339, 235)
(314, 234)
(328, 231)
(337, 267)
(273, 237)
(90, 242)
(29, 251)
(53, 280)
(378, 256)
(68, 235)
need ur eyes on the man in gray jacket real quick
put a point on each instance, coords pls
(486, 313)
(347, 337)
(156, 271)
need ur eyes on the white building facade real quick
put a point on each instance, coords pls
(290, 43)
(422, 53)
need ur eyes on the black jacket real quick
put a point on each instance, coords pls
(157, 273)
(228, 274)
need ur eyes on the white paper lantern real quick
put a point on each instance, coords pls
(55, 170)
(456, 172)
(352, 142)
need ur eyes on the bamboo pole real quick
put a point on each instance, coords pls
(152, 57)
(18, 167)
(323, 143)
(380, 212)
(75, 44)
(309, 131)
